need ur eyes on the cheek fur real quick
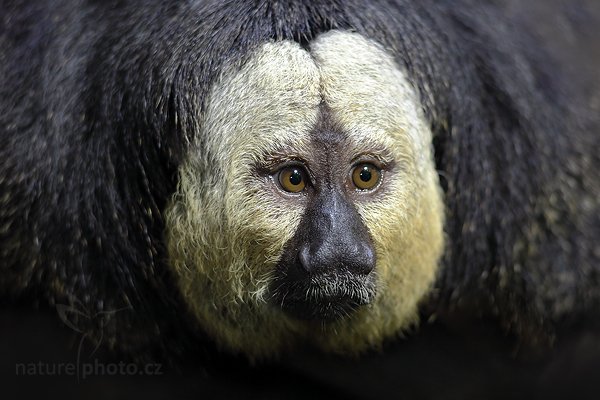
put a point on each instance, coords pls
(259, 222)
(225, 232)
(223, 267)
(407, 232)
(372, 98)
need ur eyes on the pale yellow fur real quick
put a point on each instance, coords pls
(226, 229)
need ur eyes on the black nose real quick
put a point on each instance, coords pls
(353, 254)
(325, 271)
(336, 239)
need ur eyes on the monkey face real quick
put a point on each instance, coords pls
(309, 207)
(327, 268)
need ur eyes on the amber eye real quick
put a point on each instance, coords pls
(366, 176)
(292, 179)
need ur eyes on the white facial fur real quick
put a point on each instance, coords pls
(227, 228)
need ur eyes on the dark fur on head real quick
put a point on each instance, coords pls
(95, 99)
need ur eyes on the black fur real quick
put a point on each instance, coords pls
(96, 98)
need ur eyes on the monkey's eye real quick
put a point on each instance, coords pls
(292, 179)
(366, 176)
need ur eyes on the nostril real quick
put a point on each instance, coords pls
(364, 260)
(369, 259)
(304, 256)
(357, 258)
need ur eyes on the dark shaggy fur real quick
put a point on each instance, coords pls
(97, 105)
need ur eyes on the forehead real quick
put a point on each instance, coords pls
(277, 96)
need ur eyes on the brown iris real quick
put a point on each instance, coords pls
(292, 179)
(366, 176)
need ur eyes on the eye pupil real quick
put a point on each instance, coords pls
(295, 178)
(365, 174)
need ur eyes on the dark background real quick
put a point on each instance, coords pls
(463, 361)
(459, 360)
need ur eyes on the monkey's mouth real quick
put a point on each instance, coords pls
(325, 297)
